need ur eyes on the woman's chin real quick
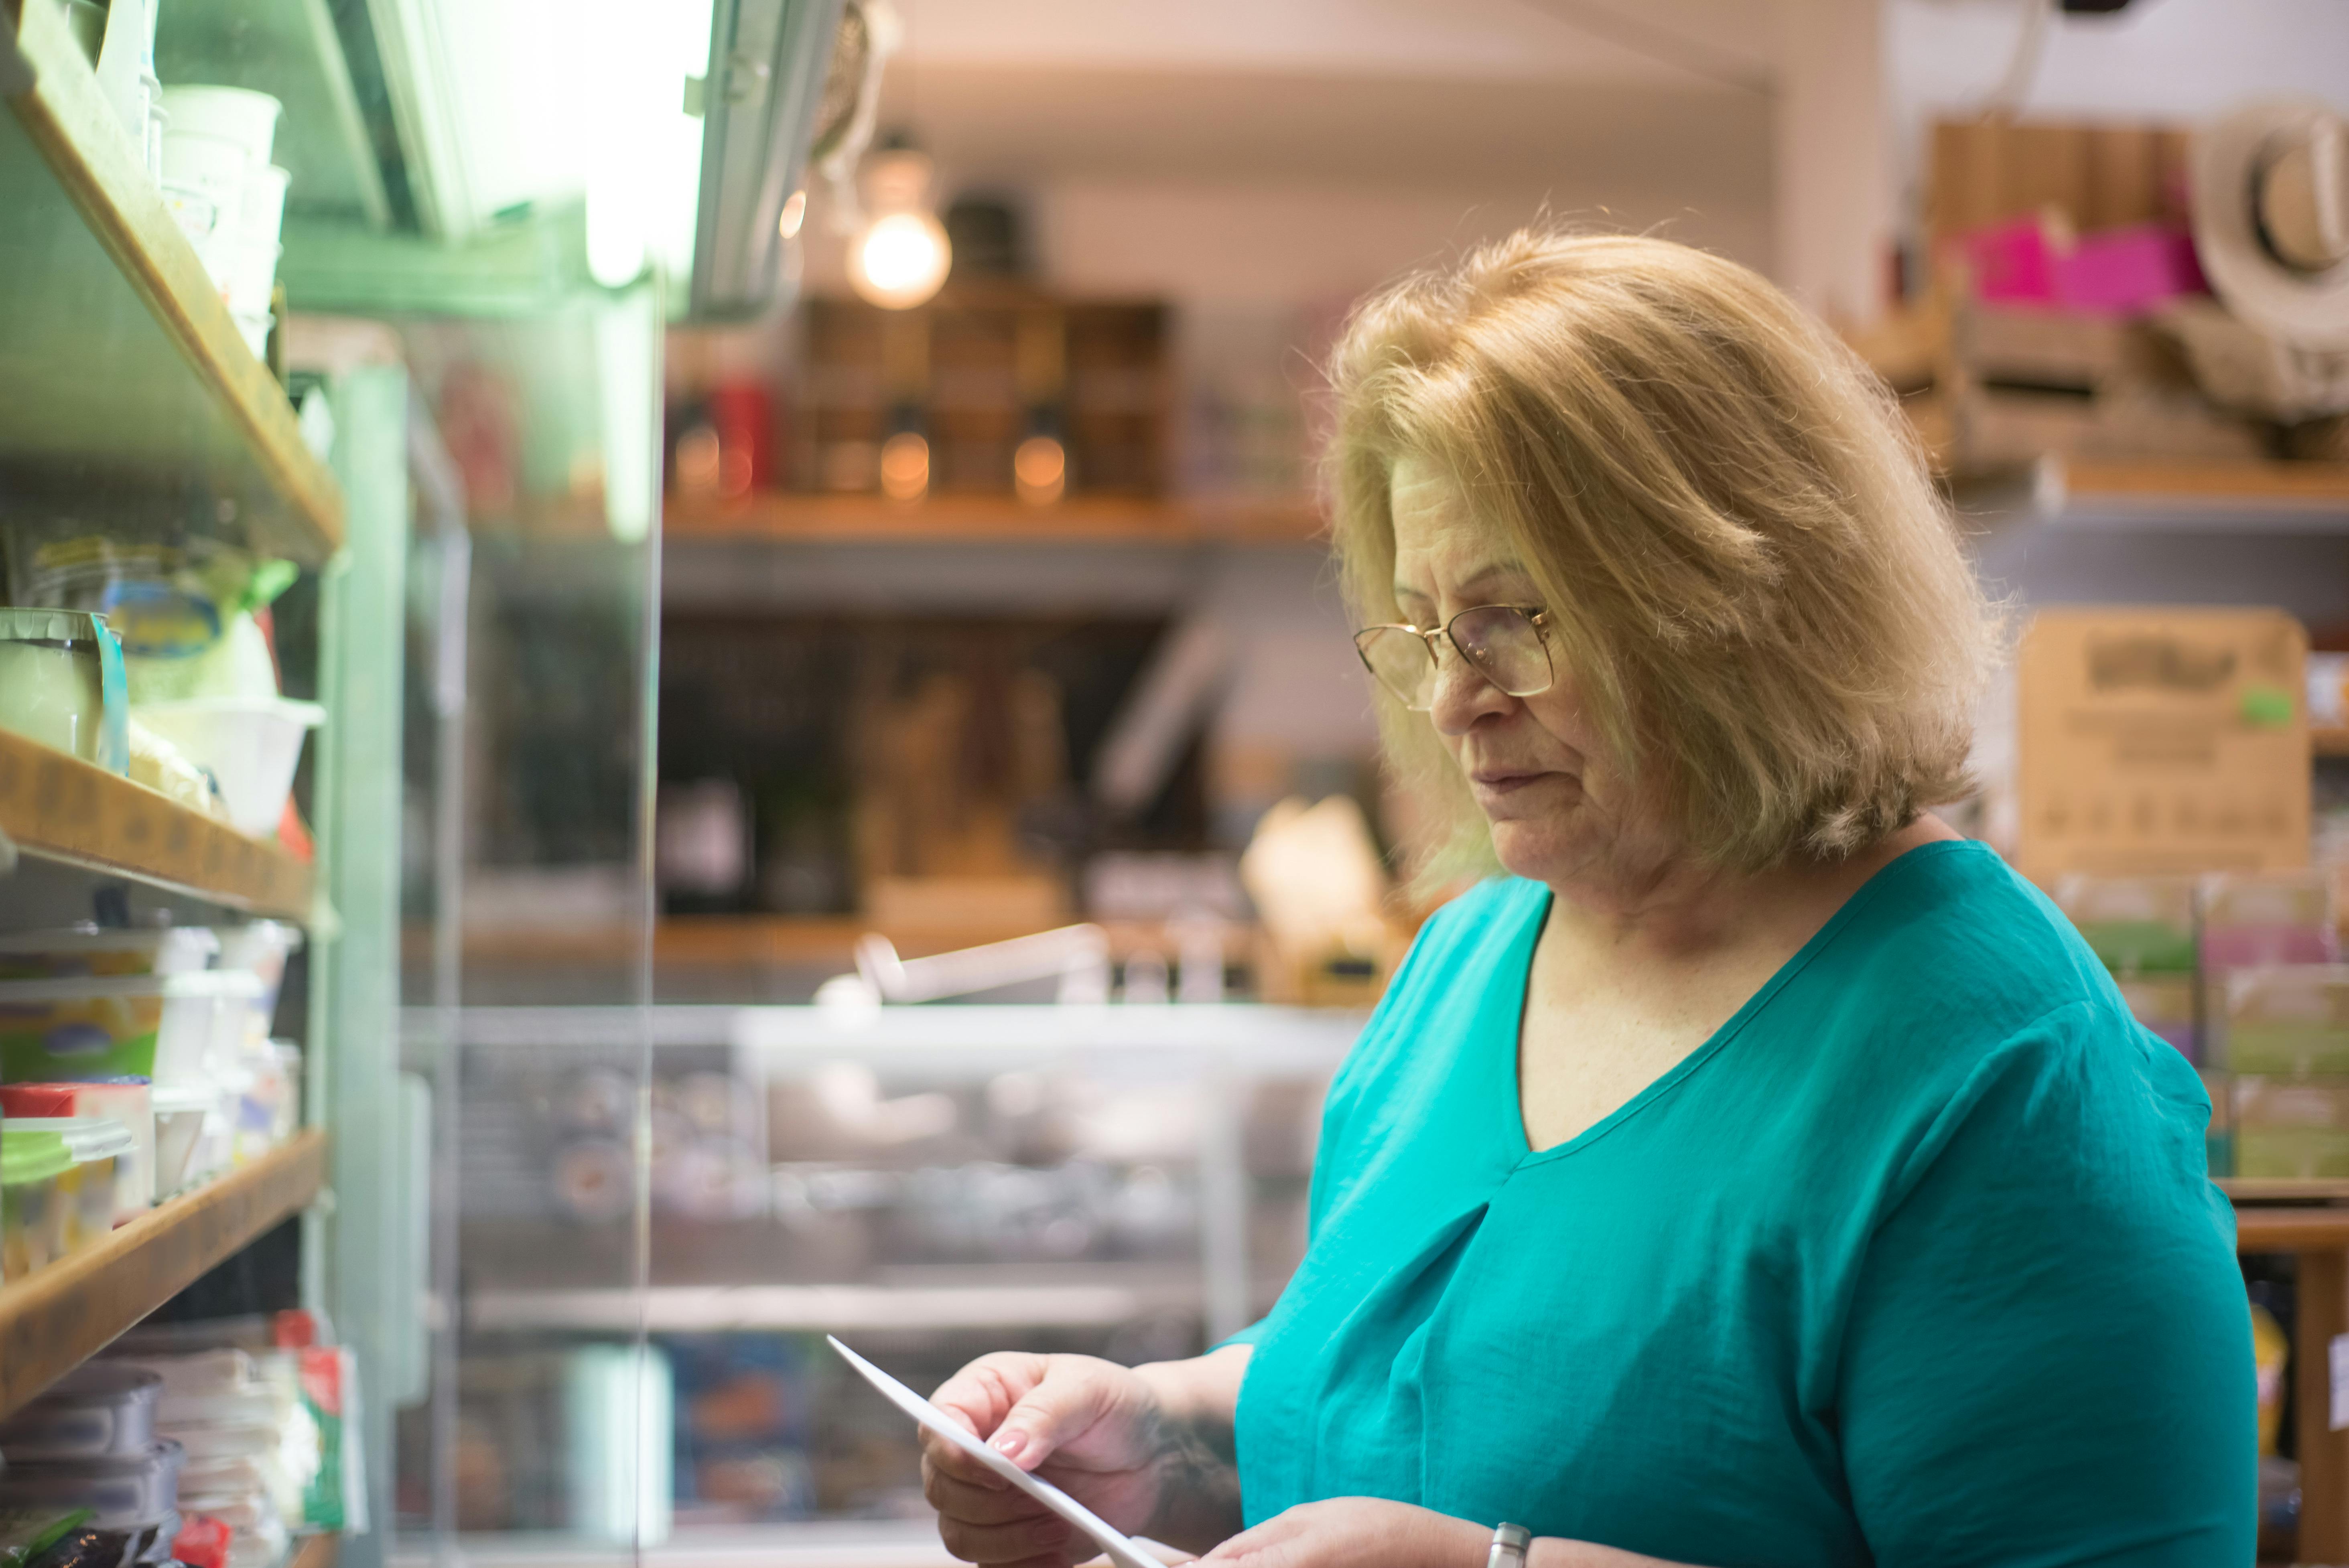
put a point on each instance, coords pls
(1537, 851)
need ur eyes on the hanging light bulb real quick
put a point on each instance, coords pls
(900, 257)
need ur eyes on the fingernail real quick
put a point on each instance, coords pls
(1010, 1444)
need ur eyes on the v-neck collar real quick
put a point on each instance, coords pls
(1512, 1110)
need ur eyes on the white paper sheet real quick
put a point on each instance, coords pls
(1121, 1551)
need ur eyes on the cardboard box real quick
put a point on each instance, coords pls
(2156, 740)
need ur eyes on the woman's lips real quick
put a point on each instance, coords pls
(1498, 781)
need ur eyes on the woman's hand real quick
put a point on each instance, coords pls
(1357, 1533)
(1148, 1448)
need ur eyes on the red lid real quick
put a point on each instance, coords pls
(39, 1098)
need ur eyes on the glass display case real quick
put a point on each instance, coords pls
(930, 1183)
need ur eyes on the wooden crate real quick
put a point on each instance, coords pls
(977, 371)
(2096, 175)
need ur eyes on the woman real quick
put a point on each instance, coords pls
(1758, 1173)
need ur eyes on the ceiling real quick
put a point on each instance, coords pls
(1650, 102)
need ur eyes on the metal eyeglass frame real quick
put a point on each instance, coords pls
(1537, 619)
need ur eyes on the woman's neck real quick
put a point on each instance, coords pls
(1671, 908)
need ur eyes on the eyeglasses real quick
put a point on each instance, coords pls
(1503, 643)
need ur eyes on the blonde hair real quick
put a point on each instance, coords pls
(1758, 590)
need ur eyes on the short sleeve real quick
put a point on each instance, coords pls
(2047, 1358)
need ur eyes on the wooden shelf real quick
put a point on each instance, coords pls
(2329, 740)
(63, 808)
(58, 1319)
(125, 365)
(788, 519)
(2309, 484)
(2291, 1228)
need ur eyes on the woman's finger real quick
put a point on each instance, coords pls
(996, 1504)
(979, 1395)
(944, 1457)
(1005, 1543)
(1058, 1410)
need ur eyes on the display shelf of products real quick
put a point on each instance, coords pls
(63, 808)
(1093, 1295)
(141, 372)
(786, 519)
(59, 1317)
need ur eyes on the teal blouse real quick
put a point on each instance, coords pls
(1913, 1262)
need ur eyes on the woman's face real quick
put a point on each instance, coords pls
(1561, 813)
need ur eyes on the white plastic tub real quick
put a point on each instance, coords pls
(212, 166)
(244, 269)
(179, 1112)
(262, 215)
(254, 330)
(237, 115)
(250, 746)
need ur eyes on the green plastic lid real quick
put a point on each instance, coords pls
(31, 1156)
(88, 1138)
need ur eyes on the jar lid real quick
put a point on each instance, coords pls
(176, 1097)
(21, 625)
(31, 1155)
(88, 1138)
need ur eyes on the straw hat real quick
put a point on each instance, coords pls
(2271, 218)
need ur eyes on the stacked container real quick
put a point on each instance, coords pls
(2143, 929)
(2278, 1003)
(90, 1442)
(228, 198)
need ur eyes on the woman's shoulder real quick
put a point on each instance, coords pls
(1949, 934)
(1952, 966)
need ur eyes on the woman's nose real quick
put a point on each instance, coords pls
(1461, 695)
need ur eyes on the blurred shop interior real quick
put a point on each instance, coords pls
(684, 655)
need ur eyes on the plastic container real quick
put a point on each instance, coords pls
(197, 213)
(87, 950)
(109, 1027)
(98, 1146)
(259, 948)
(129, 1102)
(2135, 925)
(2291, 1128)
(61, 683)
(124, 1492)
(180, 1109)
(2280, 917)
(245, 270)
(254, 330)
(261, 216)
(212, 166)
(240, 115)
(2164, 1003)
(251, 747)
(101, 1410)
(2285, 1021)
(32, 1206)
